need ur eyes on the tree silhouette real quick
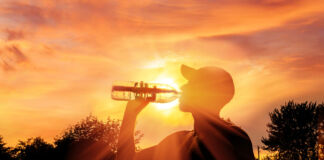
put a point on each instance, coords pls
(5, 153)
(293, 131)
(34, 149)
(89, 139)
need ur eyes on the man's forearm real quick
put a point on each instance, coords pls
(126, 145)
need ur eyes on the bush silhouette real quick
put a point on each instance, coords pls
(35, 149)
(89, 139)
(5, 152)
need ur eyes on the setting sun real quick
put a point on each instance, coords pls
(169, 81)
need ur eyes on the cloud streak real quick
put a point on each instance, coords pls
(18, 54)
(12, 57)
(158, 18)
(14, 35)
(295, 46)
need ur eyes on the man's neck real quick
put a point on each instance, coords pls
(201, 119)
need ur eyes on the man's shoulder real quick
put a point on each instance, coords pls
(168, 148)
(180, 133)
(230, 127)
(177, 136)
(241, 132)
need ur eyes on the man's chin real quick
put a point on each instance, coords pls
(184, 108)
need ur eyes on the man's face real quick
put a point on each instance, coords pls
(199, 96)
(184, 100)
(192, 96)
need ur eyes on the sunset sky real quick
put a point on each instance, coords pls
(58, 59)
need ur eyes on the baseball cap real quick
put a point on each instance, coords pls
(212, 78)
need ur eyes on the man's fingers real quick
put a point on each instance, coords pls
(136, 105)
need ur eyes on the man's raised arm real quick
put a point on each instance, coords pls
(126, 145)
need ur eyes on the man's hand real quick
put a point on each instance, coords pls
(135, 106)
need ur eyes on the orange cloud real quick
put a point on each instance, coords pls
(13, 34)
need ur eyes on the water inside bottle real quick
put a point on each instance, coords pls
(153, 92)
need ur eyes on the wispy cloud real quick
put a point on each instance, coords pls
(295, 47)
(7, 67)
(18, 54)
(11, 57)
(13, 34)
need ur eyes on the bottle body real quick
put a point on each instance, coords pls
(153, 92)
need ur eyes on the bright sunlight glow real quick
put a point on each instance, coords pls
(171, 82)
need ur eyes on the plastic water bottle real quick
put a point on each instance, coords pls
(153, 92)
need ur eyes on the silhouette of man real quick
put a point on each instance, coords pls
(207, 91)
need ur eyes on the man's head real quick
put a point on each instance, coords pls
(208, 89)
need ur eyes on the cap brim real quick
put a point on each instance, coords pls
(188, 72)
